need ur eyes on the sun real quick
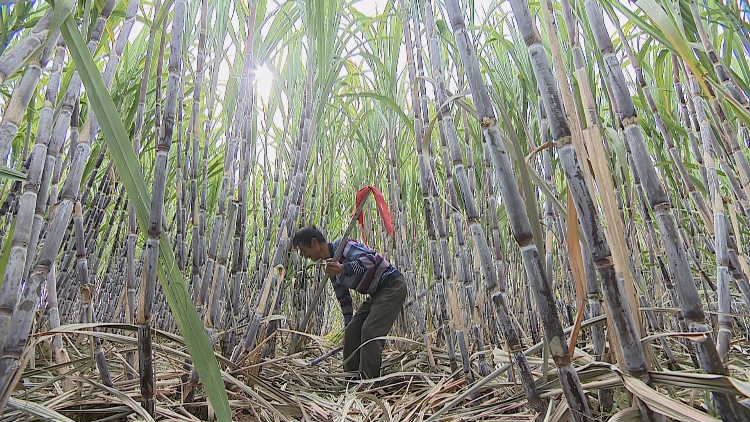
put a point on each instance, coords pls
(263, 82)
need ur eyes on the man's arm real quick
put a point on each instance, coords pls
(345, 300)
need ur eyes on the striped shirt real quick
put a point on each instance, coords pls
(366, 271)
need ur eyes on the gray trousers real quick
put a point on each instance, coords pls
(374, 318)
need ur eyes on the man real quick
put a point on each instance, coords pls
(364, 270)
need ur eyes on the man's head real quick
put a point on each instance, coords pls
(311, 244)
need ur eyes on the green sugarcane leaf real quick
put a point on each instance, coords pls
(161, 16)
(7, 243)
(12, 174)
(60, 12)
(663, 20)
(120, 150)
(387, 101)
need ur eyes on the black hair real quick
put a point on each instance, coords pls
(306, 235)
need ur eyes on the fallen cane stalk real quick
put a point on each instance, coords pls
(325, 356)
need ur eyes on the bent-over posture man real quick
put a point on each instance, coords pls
(366, 271)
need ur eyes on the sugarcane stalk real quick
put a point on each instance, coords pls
(720, 224)
(58, 351)
(480, 240)
(21, 97)
(615, 284)
(217, 299)
(419, 123)
(87, 309)
(658, 200)
(730, 87)
(151, 252)
(465, 362)
(676, 158)
(71, 97)
(520, 225)
(23, 315)
(12, 60)
(10, 291)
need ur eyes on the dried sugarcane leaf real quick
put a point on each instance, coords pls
(579, 273)
(742, 386)
(661, 403)
(38, 410)
(127, 400)
(379, 402)
(631, 414)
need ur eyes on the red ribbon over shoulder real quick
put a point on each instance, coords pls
(385, 214)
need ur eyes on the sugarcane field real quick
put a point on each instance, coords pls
(375, 210)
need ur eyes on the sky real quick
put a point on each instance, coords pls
(264, 77)
(369, 7)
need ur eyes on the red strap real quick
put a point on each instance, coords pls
(385, 214)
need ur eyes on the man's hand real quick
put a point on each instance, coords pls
(334, 268)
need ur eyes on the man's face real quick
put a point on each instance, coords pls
(311, 252)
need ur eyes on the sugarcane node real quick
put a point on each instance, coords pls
(514, 348)
(561, 360)
(488, 122)
(604, 262)
(662, 207)
(564, 140)
(42, 266)
(21, 243)
(525, 241)
(629, 121)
